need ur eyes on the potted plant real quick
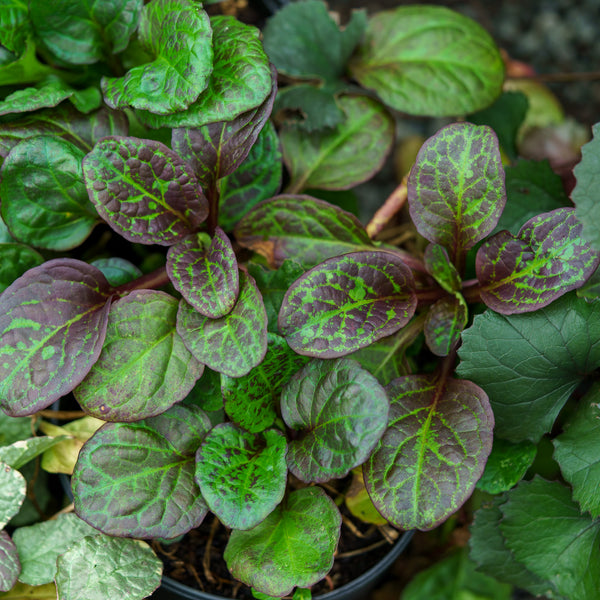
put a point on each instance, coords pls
(249, 352)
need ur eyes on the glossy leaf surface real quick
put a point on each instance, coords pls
(52, 327)
(12, 493)
(10, 567)
(15, 260)
(434, 450)
(125, 383)
(546, 259)
(137, 479)
(44, 199)
(178, 35)
(339, 412)
(444, 323)
(292, 547)
(144, 191)
(346, 303)
(242, 476)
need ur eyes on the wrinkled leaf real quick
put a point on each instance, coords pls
(10, 567)
(444, 324)
(15, 260)
(12, 493)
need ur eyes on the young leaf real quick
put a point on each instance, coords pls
(340, 159)
(52, 327)
(205, 272)
(434, 450)
(530, 364)
(546, 259)
(125, 383)
(178, 35)
(144, 190)
(117, 270)
(20, 453)
(346, 303)
(95, 567)
(444, 323)
(441, 269)
(301, 228)
(242, 476)
(12, 493)
(234, 344)
(15, 260)
(339, 412)
(292, 547)
(137, 479)
(10, 567)
(44, 199)
(429, 60)
(456, 187)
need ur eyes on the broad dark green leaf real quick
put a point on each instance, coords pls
(117, 270)
(13, 429)
(137, 479)
(242, 476)
(546, 259)
(441, 269)
(252, 401)
(205, 272)
(530, 364)
(47, 93)
(429, 60)
(338, 412)
(346, 303)
(16, 259)
(240, 81)
(83, 33)
(44, 199)
(456, 187)
(341, 158)
(52, 327)
(144, 367)
(444, 323)
(206, 394)
(547, 533)
(434, 450)
(144, 191)
(301, 228)
(292, 547)
(12, 493)
(178, 35)
(96, 567)
(10, 567)
(19, 453)
(25, 69)
(15, 25)
(234, 344)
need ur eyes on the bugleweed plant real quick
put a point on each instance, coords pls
(235, 347)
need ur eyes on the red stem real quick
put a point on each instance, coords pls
(151, 281)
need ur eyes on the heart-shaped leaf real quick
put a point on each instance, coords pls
(292, 547)
(302, 228)
(52, 327)
(12, 493)
(444, 323)
(137, 479)
(205, 272)
(434, 450)
(15, 260)
(429, 60)
(144, 190)
(44, 200)
(346, 303)
(178, 35)
(242, 476)
(546, 259)
(339, 411)
(125, 383)
(456, 188)
(234, 344)
(10, 567)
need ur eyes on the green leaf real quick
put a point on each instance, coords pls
(10, 567)
(47, 93)
(44, 199)
(125, 384)
(95, 568)
(205, 272)
(444, 324)
(22, 591)
(344, 157)
(15, 26)
(530, 364)
(21, 452)
(301, 228)
(144, 190)
(338, 412)
(242, 476)
(292, 547)
(546, 259)
(428, 461)
(240, 81)
(41, 544)
(441, 269)
(117, 271)
(12, 493)
(26, 69)
(358, 501)
(346, 303)
(13, 429)
(157, 498)
(15, 260)
(429, 60)
(83, 33)
(52, 327)
(547, 533)
(456, 187)
(252, 401)
(233, 344)
(178, 35)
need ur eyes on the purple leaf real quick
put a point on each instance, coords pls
(444, 323)
(10, 567)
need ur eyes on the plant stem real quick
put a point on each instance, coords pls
(212, 195)
(394, 203)
(152, 281)
(471, 291)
